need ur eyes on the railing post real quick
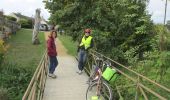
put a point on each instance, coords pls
(143, 93)
(34, 91)
(40, 83)
(137, 89)
(45, 73)
(43, 78)
(118, 91)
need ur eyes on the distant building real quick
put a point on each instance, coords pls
(43, 25)
(43, 22)
(19, 16)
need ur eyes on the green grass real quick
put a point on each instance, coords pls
(69, 44)
(20, 62)
(21, 50)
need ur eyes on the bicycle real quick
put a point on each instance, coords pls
(98, 88)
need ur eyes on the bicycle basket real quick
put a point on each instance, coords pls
(95, 98)
(110, 75)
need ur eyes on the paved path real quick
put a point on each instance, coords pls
(68, 85)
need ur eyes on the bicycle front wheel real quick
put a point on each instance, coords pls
(105, 92)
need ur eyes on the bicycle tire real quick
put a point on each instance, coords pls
(90, 92)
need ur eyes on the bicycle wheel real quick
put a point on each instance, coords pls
(105, 92)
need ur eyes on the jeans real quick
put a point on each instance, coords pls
(82, 59)
(53, 64)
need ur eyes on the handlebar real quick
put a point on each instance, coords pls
(101, 62)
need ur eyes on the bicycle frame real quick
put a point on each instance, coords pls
(97, 77)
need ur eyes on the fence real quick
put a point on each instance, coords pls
(36, 87)
(142, 87)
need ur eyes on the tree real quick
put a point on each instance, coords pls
(25, 23)
(11, 18)
(117, 24)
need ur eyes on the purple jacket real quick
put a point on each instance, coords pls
(51, 47)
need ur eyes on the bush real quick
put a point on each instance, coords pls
(2, 50)
(4, 94)
(15, 78)
(25, 23)
(168, 24)
(11, 18)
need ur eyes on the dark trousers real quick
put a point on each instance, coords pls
(82, 59)
(53, 64)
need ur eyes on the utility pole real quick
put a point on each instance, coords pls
(165, 11)
(162, 38)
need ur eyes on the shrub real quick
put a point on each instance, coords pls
(4, 94)
(168, 24)
(25, 23)
(15, 78)
(2, 50)
(11, 18)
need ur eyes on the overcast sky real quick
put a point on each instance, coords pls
(157, 9)
(27, 7)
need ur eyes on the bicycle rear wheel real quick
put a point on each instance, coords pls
(105, 92)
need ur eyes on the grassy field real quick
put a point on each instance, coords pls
(20, 62)
(22, 52)
(69, 44)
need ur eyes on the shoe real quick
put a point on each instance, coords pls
(79, 72)
(52, 75)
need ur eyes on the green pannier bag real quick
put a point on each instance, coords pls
(95, 98)
(110, 74)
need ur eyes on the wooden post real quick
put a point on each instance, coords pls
(34, 91)
(143, 93)
(137, 90)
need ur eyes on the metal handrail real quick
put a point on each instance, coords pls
(36, 86)
(139, 85)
